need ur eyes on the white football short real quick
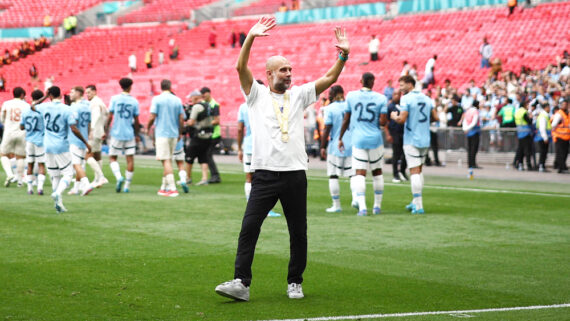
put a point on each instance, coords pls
(165, 147)
(122, 147)
(339, 166)
(247, 163)
(35, 153)
(77, 154)
(14, 143)
(415, 156)
(372, 159)
(96, 144)
(59, 164)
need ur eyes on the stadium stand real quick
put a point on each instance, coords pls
(24, 13)
(455, 37)
(163, 10)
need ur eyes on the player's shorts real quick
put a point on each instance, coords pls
(14, 143)
(59, 164)
(96, 144)
(198, 149)
(339, 166)
(35, 153)
(179, 155)
(372, 159)
(247, 163)
(415, 156)
(77, 155)
(165, 148)
(122, 147)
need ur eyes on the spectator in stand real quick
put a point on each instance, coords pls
(175, 52)
(414, 72)
(283, 7)
(148, 58)
(133, 62)
(160, 57)
(212, 37)
(295, 5)
(373, 46)
(511, 4)
(429, 75)
(47, 20)
(507, 114)
(233, 38)
(405, 68)
(48, 83)
(389, 91)
(73, 24)
(496, 69)
(34, 72)
(2, 83)
(474, 90)
(242, 37)
(454, 113)
(486, 52)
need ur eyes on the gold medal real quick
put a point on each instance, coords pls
(282, 114)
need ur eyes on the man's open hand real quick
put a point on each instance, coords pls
(264, 24)
(342, 40)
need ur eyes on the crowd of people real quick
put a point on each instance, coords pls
(23, 49)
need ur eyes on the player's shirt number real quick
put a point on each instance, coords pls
(365, 114)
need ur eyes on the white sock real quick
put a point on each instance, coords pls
(41, 180)
(183, 176)
(334, 189)
(422, 177)
(54, 182)
(170, 184)
(85, 185)
(30, 181)
(163, 185)
(116, 169)
(75, 186)
(417, 186)
(129, 176)
(360, 187)
(352, 189)
(63, 184)
(247, 188)
(20, 163)
(7, 165)
(13, 164)
(378, 184)
(100, 162)
(96, 169)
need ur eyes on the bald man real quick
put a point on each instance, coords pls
(278, 157)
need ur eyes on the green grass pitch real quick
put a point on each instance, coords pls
(139, 256)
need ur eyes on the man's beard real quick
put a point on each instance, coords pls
(280, 85)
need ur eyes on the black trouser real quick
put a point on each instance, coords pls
(434, 147)
(374, 56)
(266, 188)
(398, 155)
(543, 150)
(211, 164)
(561, 149)
(523, 151)
(472, 149)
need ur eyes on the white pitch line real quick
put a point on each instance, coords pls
(411, 314)
(452, 188)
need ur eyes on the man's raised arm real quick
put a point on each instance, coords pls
(258, 30)
(332, 75)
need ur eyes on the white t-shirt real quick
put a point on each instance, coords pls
(429, 65)
(99, 115)
(132, 61)
(12, 111)
(269, 151)
(373, 45)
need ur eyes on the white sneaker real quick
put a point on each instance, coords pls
(295, 291)
(395, 180)
(334, 209)
(233, 289)
(101, 182)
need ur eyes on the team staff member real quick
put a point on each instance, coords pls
(543, 135)
(523, 121)
(203, 121)
(561, 135)
(216, 135)
(397, 134)
(14, 139)
(279, 158)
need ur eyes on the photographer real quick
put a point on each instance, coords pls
(202, 122)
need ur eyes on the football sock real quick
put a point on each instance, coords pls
(416, 183)
(334, 189)
(183, 176)
(63, 184)
(360, 187)
(7, 165)
(54, 182)
(352, 189)
(84, 184)
(30, 181)
(129, 176)
(378, 184)
(170, 184)
(116, 169)
(163, 185)
(41, 180)
(247, 188)
(96, 169)
(20, 169)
